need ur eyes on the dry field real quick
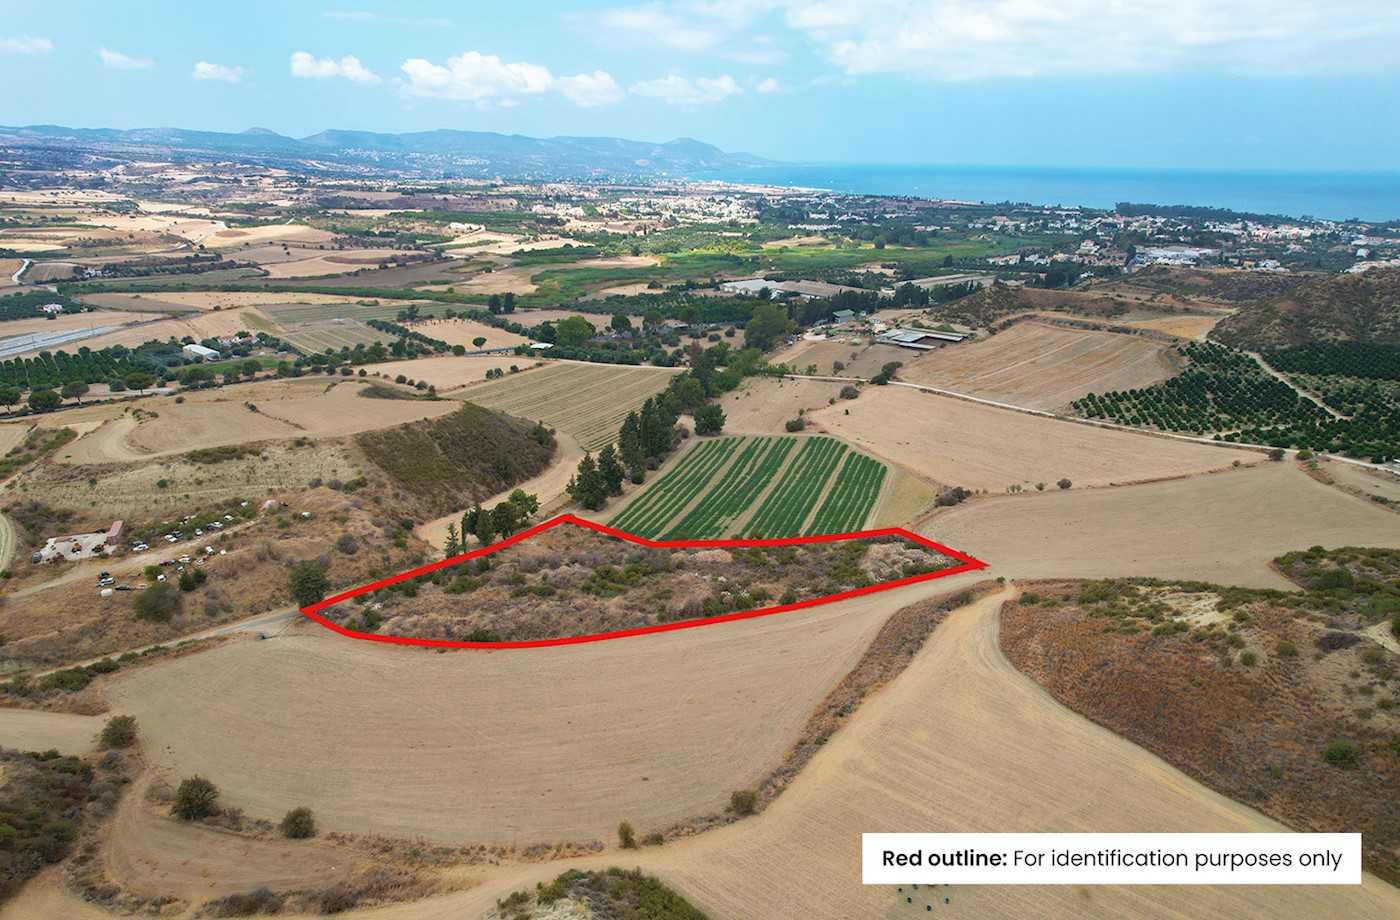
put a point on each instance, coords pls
(35, 730)
(312, 408)
(1223, 528)
(1365, 481)
(960, 741)
(515, 279)
(66, 321)
(449, 372)
(553, 744)
(289, 313)
(963, 742)
(1044, 367)
(331, 263)
(589, 401)
(155, 855)
(462, 331)
(763, 404)
(229, 239)
(1193, 326)
(956, 442)
(207, 300)
(11, 435)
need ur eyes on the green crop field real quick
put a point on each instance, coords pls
(758, 486)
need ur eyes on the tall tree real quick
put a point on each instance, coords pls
(629, 442)
(611, 470)
(587, 486)
(454, 542)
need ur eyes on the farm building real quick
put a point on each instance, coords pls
(199, 353)
(919, 339)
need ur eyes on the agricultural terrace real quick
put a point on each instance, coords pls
(758, 486)
(588, 401)
(567, 582)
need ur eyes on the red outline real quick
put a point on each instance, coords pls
(968, 564)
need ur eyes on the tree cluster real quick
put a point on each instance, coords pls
(488, 523)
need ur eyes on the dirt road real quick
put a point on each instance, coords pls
(7, 542)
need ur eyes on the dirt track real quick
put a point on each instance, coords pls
(1224, 527)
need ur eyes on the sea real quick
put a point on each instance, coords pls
(1327, 195)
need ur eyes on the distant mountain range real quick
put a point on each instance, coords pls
(435, 154)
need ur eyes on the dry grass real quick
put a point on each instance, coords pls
(763, 404)
(463, 331)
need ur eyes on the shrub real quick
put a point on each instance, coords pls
(347, 544)
(1276, 454)
(794, 424)
(245, 904)
(849, 392)
(158, 603)
(626, 836)
(298, 824)
(1395, 625)
(119, 731)
(1287, 650)
(743, 802)
(1249, 659)
(1064, 483)
(307, 582)
(195, 798)
(1342, 753)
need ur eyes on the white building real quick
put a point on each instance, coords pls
(199, 353)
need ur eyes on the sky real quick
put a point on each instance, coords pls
(1200, 84)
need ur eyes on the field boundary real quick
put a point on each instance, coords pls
(967, 564)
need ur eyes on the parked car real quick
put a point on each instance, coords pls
(140, 548)
(104, 582)
(185, 558)
(199, 532)
(170, 538)
(125, 588)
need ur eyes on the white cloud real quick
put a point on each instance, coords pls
(487, 80)
(474, 76)
(207, 71)
(961, 40)
(115, 60)
(590, 90)
(978, 39)
(770, 85)
(680, 91)
(26, 44)
(349, 67)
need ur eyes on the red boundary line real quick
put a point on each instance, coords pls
(968, 564)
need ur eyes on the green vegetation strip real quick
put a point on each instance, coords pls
(852, 497)
(668, 496)
(729, 498)
(787, 507)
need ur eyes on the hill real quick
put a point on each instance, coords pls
(477, 154)
(1358, 308)
(440, 465)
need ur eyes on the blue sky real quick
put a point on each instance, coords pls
(1288, 84)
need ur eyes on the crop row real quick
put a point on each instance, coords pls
(852, 496)
(730, 497)
(654, 509)
(787, 507)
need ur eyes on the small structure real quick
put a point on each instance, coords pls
(199, 353)
(114, 533)
(843, 316)
(52, 309)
